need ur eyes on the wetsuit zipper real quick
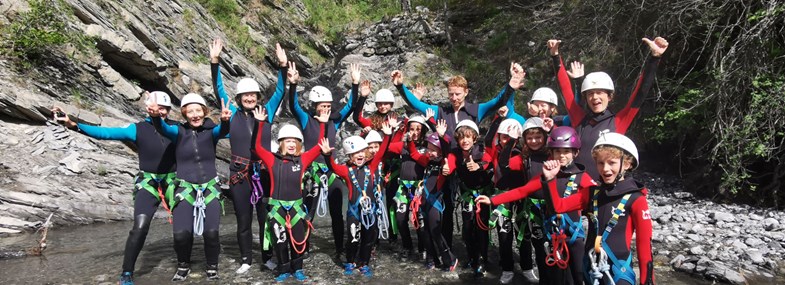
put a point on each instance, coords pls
(196, 150)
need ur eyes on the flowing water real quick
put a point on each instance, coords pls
(92, 254)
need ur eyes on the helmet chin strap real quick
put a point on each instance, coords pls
(621, 170)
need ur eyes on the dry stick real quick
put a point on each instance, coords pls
(38, 250)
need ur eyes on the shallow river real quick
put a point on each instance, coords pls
(92, 254)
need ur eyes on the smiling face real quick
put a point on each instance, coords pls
(416, 131)
(434, 152)
(163, 111)
(195, 114)
(323, 107)
(503, 139)
(290, 146)
(565, 156)
(373, 148)
(466, 137)
(597, 99)
(609, 163)
(535, 139)
(539, 108)
(383, 108)
(358, 158)
(248, 100)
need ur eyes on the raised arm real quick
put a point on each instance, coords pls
(348, 108)
(511, 113)
(409, 98)
(261, 152)
(573, 202)
(365, 90)
(127, 133)
(643, 86)
(517, 75)
(215, 71)
(418, 157)
(280, 87)
(519, 193)
(574, 110)
(169, 131)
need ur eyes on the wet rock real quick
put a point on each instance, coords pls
(723, 273)
(755, 256)
(72, 163)
(696, 250)
(753, 241)
(770, 224)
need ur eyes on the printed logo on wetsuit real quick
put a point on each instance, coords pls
(646, 214)
(295, 168)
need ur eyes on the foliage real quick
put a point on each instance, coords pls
(330, 18)
(228, 14)
(34, 34)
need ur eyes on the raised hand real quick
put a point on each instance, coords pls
(550, 168)
(387, 128)
(355, 72)
(429, 113)
(576, 70)
(365, 88)
(441, 127)
(281, 55)
(324, 116)
(151, 104)
(367, 129)
(419, 90)
(226, 114)
(392, 119)
(657, 46)
(482, 199)
(533, 109)
(397, 77)
(292, 75)
(547, 124)
(503, 110)
(260, 114)
(553, 47)
(471, 165)
(446, 168)
(215, 50)
(324, 144)
(517, 79)
(514, 131)
(515, 68)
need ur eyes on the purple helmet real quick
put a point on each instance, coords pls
(433, 139)
(563, 137)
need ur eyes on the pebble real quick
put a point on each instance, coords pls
(696, 250)
(770, 224)
(753, 241)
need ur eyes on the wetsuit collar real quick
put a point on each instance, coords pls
(207, 124)
(628, 185)
(573, 168)
(602, 115)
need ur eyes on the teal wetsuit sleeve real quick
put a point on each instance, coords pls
(348, 108)
(220, 131)
(275, 101)
(169, 131)
(418, 105)
(487, 108)
(127, 133)
(294, 106)
(218, 84)
(512, 114)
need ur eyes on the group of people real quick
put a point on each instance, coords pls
(530, 179)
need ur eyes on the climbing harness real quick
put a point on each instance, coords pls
(194, 194)
(284, 224)
(319, 178)
(366, 205)
(560, 254)
(575, 228)
(381, 212)
(622, 270)
(414, 206)
(257, 191)
(166, 197)
(599, 268)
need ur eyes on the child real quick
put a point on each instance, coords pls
(563, 144)
(287, 215)
(361, 215)
(617, 209)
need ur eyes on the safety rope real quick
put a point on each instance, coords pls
(256, 187)
(298, 246)
(599, 267)
(199, 207)
(415, 204)
(560, 254)
(321, 203)
(381, 212)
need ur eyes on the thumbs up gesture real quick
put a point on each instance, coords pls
(471, 165)
(446, 168)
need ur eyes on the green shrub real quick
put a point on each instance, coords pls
(37, 32)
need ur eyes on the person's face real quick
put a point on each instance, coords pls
(373, 148)
(383, 108)
(434, 152)
(416, 130)
(565, 156)
(248, 100)
(163, 111)
(323, 107)
(457, 95)
(597, 100)
(358, 158)
(289, 146)
(608, 165)
(534, 140)
(503, 139)
(194, 113)
(539, 108)
(466, 143)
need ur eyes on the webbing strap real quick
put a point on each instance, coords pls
(189, 189)
(621, 270)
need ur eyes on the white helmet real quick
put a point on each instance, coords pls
(545, 94)
(417, 119)
(533, 123)
(507, 124)
(247, 85)
(354, 144)
(320, 94)
(192, 98)
(290, 131)
(620, 141)
(161, 98)
(373, 137)
(597, 80)
(468, 123)
(384, 95)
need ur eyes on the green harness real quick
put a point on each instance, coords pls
(531, 214)
(313, 173)
(190, 191)
(501, 210)
(273, 214)
(167, 178)
(402, 197)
